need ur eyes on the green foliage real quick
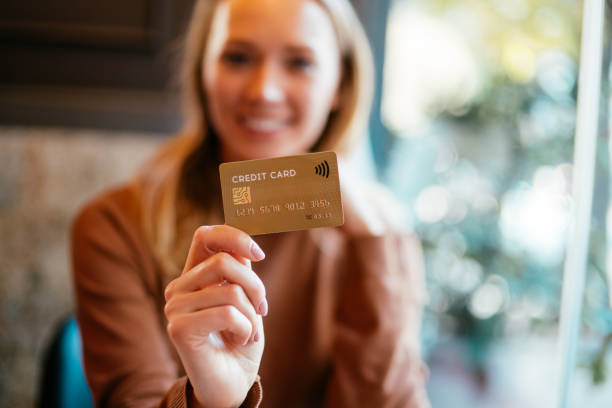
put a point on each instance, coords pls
(492, 270)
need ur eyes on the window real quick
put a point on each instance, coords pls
(480, 99)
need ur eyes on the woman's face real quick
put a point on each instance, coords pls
(271, 75)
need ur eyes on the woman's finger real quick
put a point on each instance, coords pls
(193, 327)
(208, 240)
(218, 268)
(213, 296)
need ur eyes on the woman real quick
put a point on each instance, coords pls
(169, 306)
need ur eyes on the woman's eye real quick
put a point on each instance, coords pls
(236, 58)
(300, 63)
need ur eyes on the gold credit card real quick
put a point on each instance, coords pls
(282, 194)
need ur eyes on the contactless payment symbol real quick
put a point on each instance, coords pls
(241, 195)
(322, 169)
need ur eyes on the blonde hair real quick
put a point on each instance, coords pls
(168, 216)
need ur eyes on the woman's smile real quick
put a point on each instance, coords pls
(264, 126)
(271, 76)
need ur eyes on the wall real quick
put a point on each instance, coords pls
(46, 175)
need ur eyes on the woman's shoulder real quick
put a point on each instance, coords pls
(373, 218)
(118, 205)
(370, 208)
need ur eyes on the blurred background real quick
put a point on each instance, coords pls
(472, 129)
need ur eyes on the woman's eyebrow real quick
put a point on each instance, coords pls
(238, 43)
(299, 49)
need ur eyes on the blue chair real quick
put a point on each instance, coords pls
(63, 383)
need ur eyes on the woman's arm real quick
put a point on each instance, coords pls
(126, 354)
(376, 352)
(129, 360)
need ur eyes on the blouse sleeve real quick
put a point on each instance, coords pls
(376, 349)
(128, 359)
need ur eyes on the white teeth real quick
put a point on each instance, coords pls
(264, 125)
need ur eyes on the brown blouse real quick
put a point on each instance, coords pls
(342, 329)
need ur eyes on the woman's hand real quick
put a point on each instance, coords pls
(214, 314)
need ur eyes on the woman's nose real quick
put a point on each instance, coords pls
(266, 85)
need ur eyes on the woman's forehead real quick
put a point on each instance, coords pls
(290, 22)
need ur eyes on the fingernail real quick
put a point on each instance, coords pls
(256, 251)
(256, 336)
(263, 308)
